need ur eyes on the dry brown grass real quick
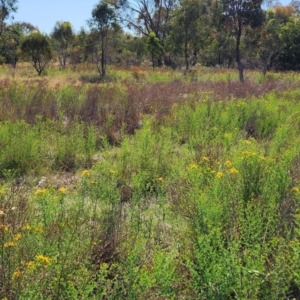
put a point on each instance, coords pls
(116, 107)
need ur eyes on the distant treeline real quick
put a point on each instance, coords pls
(174, 33)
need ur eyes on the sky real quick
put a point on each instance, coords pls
(45, 13)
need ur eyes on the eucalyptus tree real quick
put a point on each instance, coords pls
(7, 7)
(296, 5)
(220, 46)
(10, 44)
(270, 42)
(63, 36)
(104, 21)
(77, 52)
(289, 58)
(147, 16)
(11, 40)
(189, 30)
(36, 48)
(238, 14)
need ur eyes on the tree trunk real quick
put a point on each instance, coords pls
(153, 62)
(186, 54)
(237, 51)
(103, 53)
(103, 63)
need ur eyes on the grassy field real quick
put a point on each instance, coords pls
(149, 185)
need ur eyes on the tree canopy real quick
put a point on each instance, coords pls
(36, 47)
(63, 35)
(7, 7)
(104, 20)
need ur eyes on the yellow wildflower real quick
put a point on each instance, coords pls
(9, 244)
(63, 190)
(219, 174)
(205, 158)
(38, 229)
(26, 227)
(30, 265)
(228, 163)
(16, 275)
(17, 237)
(233, 171)
(85, 173)
(40, 192)
(295, 189)
(43, 259)
(247, 142)
(160, 179)
(249, 153)
(193, 166)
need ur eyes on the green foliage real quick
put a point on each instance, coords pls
(290, 36)
(10, 44)
(104, 19)
(154, 47)
(201, 202)
(36, 47)
(6, 9)
(188, 30)
(63, 35)
(241, 14)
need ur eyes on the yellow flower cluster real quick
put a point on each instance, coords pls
(205, 159)
(249, 153)
(193, 166)
(43, 259)
(295, 189)
(30, 265)
(38, 229)
(62, 190)
(17, 237)
(219, 174)
(26, 227)
(9, 244)
(228, 163)
(16, 275)
(40, 192)
(233, 171)
(85, 173)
